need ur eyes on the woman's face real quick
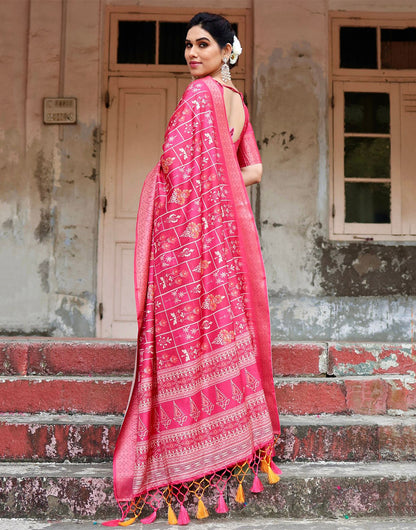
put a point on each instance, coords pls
(202, 53)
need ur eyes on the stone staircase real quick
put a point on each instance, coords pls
(348, 444)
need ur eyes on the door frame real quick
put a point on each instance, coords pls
(109, 70)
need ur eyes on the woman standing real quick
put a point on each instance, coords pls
(202, 408)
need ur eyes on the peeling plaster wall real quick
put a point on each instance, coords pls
(48, 174)
(49, 177)
(319, 289)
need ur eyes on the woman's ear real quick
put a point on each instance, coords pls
(227, 50)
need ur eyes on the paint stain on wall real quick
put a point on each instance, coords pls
(43, 271)
(360, 269)
(45, 226)
(43, 174)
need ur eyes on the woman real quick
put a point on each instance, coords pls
(202, 409)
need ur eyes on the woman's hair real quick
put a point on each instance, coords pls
(217, 26)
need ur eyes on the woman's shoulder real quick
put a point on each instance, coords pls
(196, 87)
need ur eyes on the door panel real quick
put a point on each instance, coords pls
(137, 118)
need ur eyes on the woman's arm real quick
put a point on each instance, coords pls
(249, 158)
(252, 174)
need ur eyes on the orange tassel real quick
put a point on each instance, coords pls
(128, 522)
(273, 478)
(171, 516)
(240, 494)
(202, 511)
(264, 466)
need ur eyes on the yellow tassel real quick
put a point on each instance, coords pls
(264, 466)
(273, 478)
(171, 516)
(240, 494)
(127, 522)
(202, 511)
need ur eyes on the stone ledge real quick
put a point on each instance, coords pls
(305, 490)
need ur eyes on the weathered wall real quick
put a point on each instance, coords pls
(320, 289)
(48, 180)
(49, 177)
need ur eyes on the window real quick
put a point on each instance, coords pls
(154, 40)
(374, 118)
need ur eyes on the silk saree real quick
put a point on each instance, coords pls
(202, 408)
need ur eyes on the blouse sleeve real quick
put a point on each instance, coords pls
(248, 152)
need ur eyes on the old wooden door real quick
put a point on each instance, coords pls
(139, 109)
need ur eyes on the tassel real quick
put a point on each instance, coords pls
(149, 519)
(240, 494)
(202, 511)
(274, 468)
(267, 468)
(114, 522)
(257, 486)
(264, 466)
(171, 516)
(183, 518)
(221, 507)
(273, 478)
(127, 522)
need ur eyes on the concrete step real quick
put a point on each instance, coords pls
(91, 438)
(232, 523)
(298, 395)
(305, 490)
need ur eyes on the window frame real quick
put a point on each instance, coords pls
(365, 80)
(165, 15)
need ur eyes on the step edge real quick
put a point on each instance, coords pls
(306, 470)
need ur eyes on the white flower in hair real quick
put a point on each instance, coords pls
(237, 49)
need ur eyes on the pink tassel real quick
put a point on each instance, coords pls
(257, 486)
(221, 507)
(275, 468)
(183, 517)
(150, 519)
(114, 522)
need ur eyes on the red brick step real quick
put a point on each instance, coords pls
(37, 356)
(358, 395)
(91, 438)
(89, 395)
(105, 395)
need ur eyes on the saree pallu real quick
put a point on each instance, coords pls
(202, 401)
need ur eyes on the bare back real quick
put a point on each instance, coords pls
(235, 112)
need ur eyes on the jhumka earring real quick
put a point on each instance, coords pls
(225, 70)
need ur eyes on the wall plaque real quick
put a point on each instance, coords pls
(59, 110)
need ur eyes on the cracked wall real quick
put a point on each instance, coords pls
(49, 178)
(48, 174)
(319, 289)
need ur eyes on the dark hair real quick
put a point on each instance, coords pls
(217, 26)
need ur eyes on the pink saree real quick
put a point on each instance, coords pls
(202, 407)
